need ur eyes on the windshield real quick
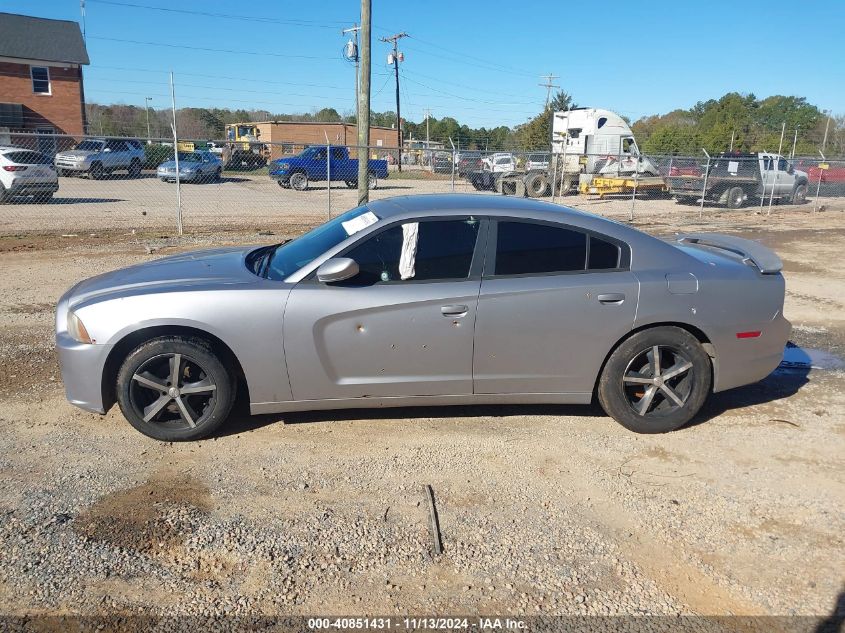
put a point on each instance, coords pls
(90, 146)
(286, 259)
(190, 157)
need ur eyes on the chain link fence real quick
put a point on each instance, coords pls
(62, 184)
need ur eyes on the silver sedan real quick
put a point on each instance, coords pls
(428, 300)
(198, 166)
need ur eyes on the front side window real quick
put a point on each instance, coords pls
(525, 248)
(417, 251)
(783, 165)
(40, 80)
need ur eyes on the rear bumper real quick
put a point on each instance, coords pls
(31, 188)
(82, 370)
(745, 361)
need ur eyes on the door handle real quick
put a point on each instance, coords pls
(454, 310)
(611, 298)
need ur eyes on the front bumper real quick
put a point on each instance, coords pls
(82, 368)
(72, 165)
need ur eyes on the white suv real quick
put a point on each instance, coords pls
(99, 157)
(24, 172)
(499, 163)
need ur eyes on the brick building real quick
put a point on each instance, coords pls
(41, 90)
(287, 137)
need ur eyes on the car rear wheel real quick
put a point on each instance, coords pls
(299, 181)
(656, 380)
(218, 174)
(735, 198)
(175, 388)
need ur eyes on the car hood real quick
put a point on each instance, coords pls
(77, 153)
(197, 269)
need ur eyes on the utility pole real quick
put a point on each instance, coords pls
(147, 108)
(82, 14)
(351, 53)
(395, 59)
(427, 115)
(364, 105)
(549, 85)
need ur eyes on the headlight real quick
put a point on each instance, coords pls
(76, 328)
(284, 165)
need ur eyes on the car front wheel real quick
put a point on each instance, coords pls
(656, 381)
(299, 181)
(175, 388)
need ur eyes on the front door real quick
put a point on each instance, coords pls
(552, 303)
(402, 327)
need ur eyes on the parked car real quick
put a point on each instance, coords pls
(499, 163)
(413, 300)
(101, 157)
(833, 173)
(311, 165)
(468, 162)
(199, 166)
(442, 163)
(680, 167)
(24, 172)
(537, 161)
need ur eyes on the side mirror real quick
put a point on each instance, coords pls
(790, 170)
(337, 269)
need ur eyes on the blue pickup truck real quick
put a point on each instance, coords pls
(311, 165)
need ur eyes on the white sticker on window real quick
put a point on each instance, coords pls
(733, 167)
(359, 223)
(408, 256)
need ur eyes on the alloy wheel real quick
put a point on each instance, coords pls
(658, 381)
(172, 390)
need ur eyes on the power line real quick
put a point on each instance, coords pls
(228, 16)
(210, 50)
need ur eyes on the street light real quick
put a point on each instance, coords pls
(147, 108)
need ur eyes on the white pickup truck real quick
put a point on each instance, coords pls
(734, 179)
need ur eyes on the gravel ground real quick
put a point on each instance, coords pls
(543, 510)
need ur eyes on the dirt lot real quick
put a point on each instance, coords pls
(551, 510)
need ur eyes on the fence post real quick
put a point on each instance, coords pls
(636, 180)
(775, 167)
(176, 158)
(704, 186)
(329, 176)
(453, 164)
(818, 186)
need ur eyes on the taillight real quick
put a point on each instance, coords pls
(14, 167)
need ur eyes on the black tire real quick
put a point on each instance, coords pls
(799, 193)
(299, 181)
(629, 394)
(95, 171)
(537, 185)
(218, 174)
(2, 193)
(736, 198)
(566, 186)
(61, 172)
(134, 168)
(352, 184)
(199, 369)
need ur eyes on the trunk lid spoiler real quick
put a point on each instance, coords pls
(764, 259)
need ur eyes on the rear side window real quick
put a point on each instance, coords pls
(603, 255)
(444, 250)
(525, 248)
(28, 158)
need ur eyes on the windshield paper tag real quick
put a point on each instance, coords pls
(360, 223)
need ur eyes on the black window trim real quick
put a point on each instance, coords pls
(476, 263)
(623, 263)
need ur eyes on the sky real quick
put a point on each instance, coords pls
(479, 62)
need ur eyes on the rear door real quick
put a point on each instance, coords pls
(402, 327)
(553, 300)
